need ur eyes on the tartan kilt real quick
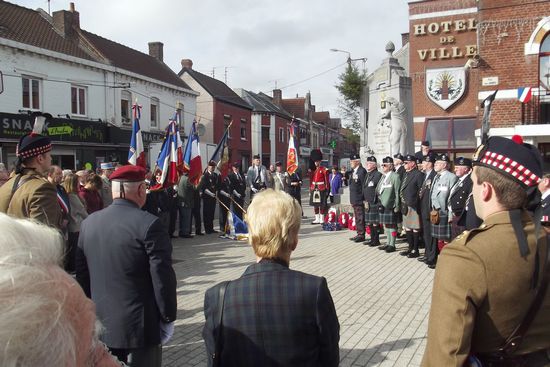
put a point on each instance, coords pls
(372, 216)
(442, 231)
(324, 196)
(412, 219)
(388, 216)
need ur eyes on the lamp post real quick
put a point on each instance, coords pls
(364, 59)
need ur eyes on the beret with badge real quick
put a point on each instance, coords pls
(387, 160)
(461, 161)
(371, 159)
(354, 157)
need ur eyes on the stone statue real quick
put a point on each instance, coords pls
(394, 118)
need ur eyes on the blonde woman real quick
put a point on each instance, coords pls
(272, 315)
(76, 215)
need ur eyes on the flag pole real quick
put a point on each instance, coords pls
(234, 202)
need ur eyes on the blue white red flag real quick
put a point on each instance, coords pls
(525, 94)
(221, 154)
(291, 156)
(235, 228)
(192, 156)
(167, 161)
(136, 156)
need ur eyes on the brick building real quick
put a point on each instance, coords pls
(461, 52)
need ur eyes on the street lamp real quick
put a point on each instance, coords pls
(364, 59)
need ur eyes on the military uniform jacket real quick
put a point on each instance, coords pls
(210, 181)
(459, 195)
(356, 185)
(410, 188)
(481, 292)
(424, 195)
(294, 184)
(401, 172)
(369, 186)
(319, 179)
(441, 188)
(237, 183)
(124, 262)
(36, 198)
(388, 190)
(274, 316)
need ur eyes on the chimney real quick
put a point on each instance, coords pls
(277, 96)
(187, 63)
(65, 21)
(156, 50)
(404, 39)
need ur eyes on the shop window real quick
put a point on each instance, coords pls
(448, 134)
(78, 100)
(544, 81)
(125, 107)
(154, 112)
(31, 93)
(265, 132)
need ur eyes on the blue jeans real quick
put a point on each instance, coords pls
(185, 220)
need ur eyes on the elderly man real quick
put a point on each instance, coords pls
(272, 315)
(124, 263)
(410, 205)
(28, 194)
(487, 279)
(390, 202)
(280, 178)
(459, 195)
(371, 202)
(45, 317)
(356, 182)
(425, 208)
(256, 177)
(107, 169)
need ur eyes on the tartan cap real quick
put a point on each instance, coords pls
(33, 144)
(512, 157)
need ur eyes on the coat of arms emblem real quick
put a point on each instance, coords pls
(445, 86)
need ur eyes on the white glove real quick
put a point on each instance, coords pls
(254, 190)
(225, 194)
(209, 193)
(236, 194)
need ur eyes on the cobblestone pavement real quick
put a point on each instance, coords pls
(382, 300)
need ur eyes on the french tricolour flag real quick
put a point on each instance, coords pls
(192, 156)
(136, 156)
(525, 94)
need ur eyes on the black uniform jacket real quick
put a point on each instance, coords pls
(124, 262)
(210, 181)
(369, 186)
(356, 186)
(425, 205)
(237, 182)
(410, 188)
(459, 195)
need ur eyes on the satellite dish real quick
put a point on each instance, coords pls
(201, 129)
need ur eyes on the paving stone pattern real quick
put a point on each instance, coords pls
(382, 300)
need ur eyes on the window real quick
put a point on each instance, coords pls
(31, 93)
(78, 100)
(243, 132)
(451, 133)
(265, 132)
(125, 99)
(544, 81)
(154, 112)
(281, 135)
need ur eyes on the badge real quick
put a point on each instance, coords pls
(370, 184)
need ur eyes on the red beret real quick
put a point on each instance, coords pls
(129, 173)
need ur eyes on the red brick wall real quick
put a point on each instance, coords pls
(504, 56)
(237, 146)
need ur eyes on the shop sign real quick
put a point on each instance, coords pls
(13, 126)
(305, 151)
(445, 86)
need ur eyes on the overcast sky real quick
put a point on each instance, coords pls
(259, 41)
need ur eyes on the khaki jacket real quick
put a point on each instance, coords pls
(36, 199)
(481, 292)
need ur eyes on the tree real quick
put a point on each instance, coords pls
(352, 82)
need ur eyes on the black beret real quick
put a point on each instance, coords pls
(256, 156)
(409, 158)
(461, 161)
(426, 143)
(354, 157)
(520, 161)
(387, 160)
(32, 144)
(371, 159)
(398, 156)
(442, 157)
(429, 158)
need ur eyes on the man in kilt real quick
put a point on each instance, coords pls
(319, 187)
(388, 195)
(458, 197)
(371, 201)
(439, 195)
(356, 181)
(410, 204)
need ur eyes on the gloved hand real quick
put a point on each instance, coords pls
(225, 194)
(209, 193)
(236, 194)
(254, 190)
(396, 209)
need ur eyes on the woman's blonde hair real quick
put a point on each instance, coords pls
(273, 220)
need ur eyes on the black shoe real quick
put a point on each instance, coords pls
(413, 255)
(173, 236)
(353, 238)
(374, 244)
(431, 266)
(430, 263)
(359, 239)
(382, 248)
(390, 249)
(199, 234)
(405, 253)
(421, 258)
